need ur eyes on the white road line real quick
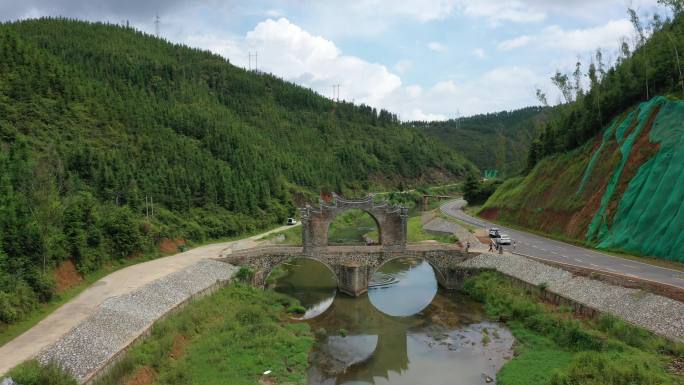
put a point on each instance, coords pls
(578, 260)
(630, 266)
(564, 256)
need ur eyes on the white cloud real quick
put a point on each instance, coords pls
(288, 51)
(518, 42)
(480, 53)
(436, 46)
(503, 10)
(404, 65)
(418, 115)
(575, 40)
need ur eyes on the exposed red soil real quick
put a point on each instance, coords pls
(641, 152)
(143, 376)
(66, 276)
(266, 380)
(180, 342)
(169, 245)
(491, 213)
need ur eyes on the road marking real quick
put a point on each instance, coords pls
(630, 266)
(564, 256)
(593, 264)
(578, 260)
(609, 269)
(542, 249)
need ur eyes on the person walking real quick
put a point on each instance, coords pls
(490, 246)
(467, 246)
(514, 242)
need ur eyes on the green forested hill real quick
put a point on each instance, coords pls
(496, 141)
(94, 118)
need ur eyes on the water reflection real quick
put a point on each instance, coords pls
(358, 344)
(410, 288)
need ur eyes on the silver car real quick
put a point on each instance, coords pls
(504, 239)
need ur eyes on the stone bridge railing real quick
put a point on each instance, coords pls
(354, 266)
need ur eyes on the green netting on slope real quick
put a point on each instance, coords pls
(650, 215)
(598, 228)
(592, 162)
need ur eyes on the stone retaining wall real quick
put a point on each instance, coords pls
(97, 343)
(661, 315)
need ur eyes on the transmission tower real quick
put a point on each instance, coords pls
(156, 25)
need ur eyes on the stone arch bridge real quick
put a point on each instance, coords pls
(354, 266)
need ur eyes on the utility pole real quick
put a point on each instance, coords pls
(156, 25)
(336, 92)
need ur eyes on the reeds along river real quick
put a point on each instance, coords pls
(406, 330)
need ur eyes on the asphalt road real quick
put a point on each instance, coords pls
(537, 246)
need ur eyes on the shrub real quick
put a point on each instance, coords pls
(32, 373)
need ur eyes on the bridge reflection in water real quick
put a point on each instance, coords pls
(356, 343)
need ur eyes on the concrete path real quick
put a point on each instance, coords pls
(537, 246)
(62, 320)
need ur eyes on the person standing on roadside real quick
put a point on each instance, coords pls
(490, 246)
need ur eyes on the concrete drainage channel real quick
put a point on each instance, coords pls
(89, 349)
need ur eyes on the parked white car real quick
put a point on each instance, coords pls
(494, 232)
(503, 239)
(291, 221)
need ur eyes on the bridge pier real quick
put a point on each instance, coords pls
(353, 279)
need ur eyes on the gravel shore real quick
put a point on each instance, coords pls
(661, 315)
(120, 320)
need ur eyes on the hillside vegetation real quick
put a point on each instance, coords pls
(98, 121)
(617, 187)
(496, 141)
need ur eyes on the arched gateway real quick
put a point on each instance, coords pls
(391, 221)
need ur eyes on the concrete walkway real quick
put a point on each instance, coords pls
(69, 315)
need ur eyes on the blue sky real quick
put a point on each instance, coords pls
(429, 59)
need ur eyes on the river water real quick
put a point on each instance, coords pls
(406, 330)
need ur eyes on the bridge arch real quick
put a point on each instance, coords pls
(391, 221)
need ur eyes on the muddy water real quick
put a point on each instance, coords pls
(404, 331)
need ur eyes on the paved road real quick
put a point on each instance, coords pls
(124, 281)
(537, 246)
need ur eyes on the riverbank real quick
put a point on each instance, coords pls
(555, 347)
(233, 336)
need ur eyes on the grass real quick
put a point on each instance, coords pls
(555, 348)
(10, 331)
(233, 336)
(32, 373)
(291, 236)
(417, 234)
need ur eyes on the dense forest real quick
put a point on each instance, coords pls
(650, 67)
(495, 141)
(111, 140)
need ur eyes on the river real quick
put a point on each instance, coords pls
(406, 330)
